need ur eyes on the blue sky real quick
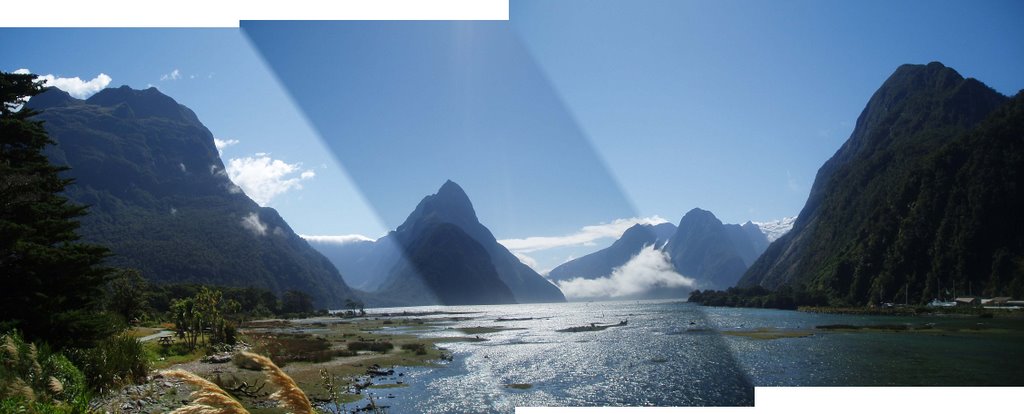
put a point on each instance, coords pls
(569, 115)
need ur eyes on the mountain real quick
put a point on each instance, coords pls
(748, 240)
(923, 198)
(451, 205)
(602, 262)
(160, 200)
(444, 265)
(703, 249)
(362, 264)
(775, 229)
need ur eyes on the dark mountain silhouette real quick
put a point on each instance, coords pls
(444, 265)
(159, 197)
(925, 193)
(452, 205)
(602, 262)
(387, 267)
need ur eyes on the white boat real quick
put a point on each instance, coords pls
(937, 303)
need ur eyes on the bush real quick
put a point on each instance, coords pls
(418, 348)
(381, 347)
(115, 361)
(34, 380)
(73, 384)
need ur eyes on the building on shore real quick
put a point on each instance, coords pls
(967, 301)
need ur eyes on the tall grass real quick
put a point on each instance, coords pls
(35, 380)
(114, 362)
(289, 396)
(208, 398)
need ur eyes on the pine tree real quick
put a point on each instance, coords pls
(51, 285)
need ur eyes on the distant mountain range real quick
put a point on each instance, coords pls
(441, 254)
(713, 254)
(602, 262)
(924, 198)
(158, 197)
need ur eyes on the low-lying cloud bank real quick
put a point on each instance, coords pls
(586, 236)
(340, 239)
(649, 269)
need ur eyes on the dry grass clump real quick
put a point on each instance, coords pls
(208, 398)
(289, 396)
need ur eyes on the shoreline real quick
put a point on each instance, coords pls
(363, 355)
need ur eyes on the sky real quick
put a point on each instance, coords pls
(565, 124)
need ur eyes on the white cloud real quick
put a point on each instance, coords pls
(585, 237)
(252, 223)
(529, 261)
(174, 75)
(182, 166)
(75, 86)
(263, 178)
(223, 143)
(342, 239)
(648, 270)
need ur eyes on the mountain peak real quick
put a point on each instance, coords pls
(144, 103)
(449, 204)
(52, 97)
(698, 214)
(451, 190)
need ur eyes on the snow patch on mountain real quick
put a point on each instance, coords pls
(776, 228)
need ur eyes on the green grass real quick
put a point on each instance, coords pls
(163, 356)
(140, 331)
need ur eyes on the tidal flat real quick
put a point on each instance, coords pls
(671, 353)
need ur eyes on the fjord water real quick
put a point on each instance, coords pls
(674, 354)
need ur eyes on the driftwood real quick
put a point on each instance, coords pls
(252, 391)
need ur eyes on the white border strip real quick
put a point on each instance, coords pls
(838, 400)
(227, 13)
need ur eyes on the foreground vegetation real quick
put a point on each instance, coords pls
(787, 297)
(69, 323)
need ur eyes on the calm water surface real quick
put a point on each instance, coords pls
(674, 354)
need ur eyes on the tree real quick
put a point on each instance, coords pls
(204, 314)
(128, 295)
(355, 304)
(51, 285)
(294, 301)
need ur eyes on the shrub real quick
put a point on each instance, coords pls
(418, 348)
(382, 347)
(115, 361)
(34, 380)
